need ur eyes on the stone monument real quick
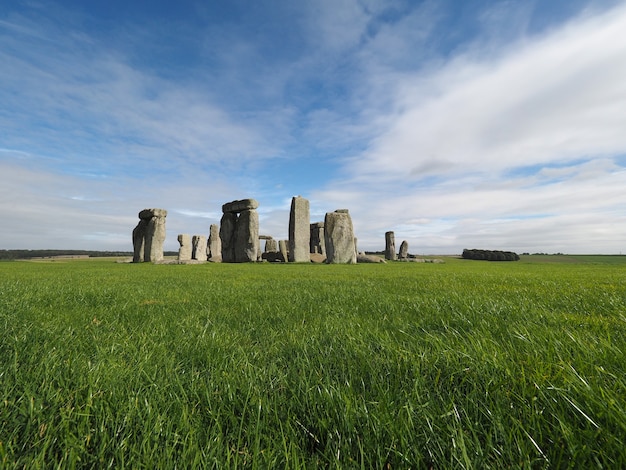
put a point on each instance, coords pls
(239, 231)
(339, 237)
(149, 235)
(299, 231)
(184, 252)
(390, 246)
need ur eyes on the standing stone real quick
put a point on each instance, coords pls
(271, 246)
(247, 237)
(214, 247)
(317, 238)
(390, 246)
(228, 225)
(299, 231)
(404, 250)
(339, 238)
(282, 247)
(139, 235)
(149, 235)
(198, 252)
(184, 252)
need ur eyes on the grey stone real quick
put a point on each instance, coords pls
(299, 231)
(214, 246)
(363, 258)
(184, 252)
(318, 244)
(155, 236)
(404, 250)
(228, 224)
(198, 252)
(390, 246)
(247, 237)
(139, 236)
(339, 238)
(240, 206)
(147, 214)
(271, 246)
(282, 248)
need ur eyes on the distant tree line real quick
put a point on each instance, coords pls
(28, 254)
(490, 255)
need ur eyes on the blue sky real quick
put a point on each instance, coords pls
(456, 124)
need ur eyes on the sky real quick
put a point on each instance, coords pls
(455, 124)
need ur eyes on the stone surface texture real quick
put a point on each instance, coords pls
(247, 237)
(184, 252)
(240, 206)
(339, 238)
(149, 235)
(214, 246)
(227, 236)
(390, 246)
(404, 250)
(198, 243)
(299, 230)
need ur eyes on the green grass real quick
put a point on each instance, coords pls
(465, 364)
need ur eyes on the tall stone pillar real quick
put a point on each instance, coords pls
(282, 248)
(390, 246)
(228, 225)
(149, 235)
(214, 247)
(184, 252)
(299, 231)
(339, 237)
(404, 250)
(198, 251)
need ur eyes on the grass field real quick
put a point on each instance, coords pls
(465, 364)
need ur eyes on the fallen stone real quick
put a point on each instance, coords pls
(363, 258)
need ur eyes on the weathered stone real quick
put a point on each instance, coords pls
(271, 246)
(282, 248)
(247, 237)
(228, 224)
(363, 258)
(404, 250)
(265, 237)
(318, 258)
(198, 243)
(240, 206)
(147, 214)
(390, 246)
(214, 246)
(184, 252)
(339, 238)
(299, 230)
(139, 236)
(317, 238)
(155, 236)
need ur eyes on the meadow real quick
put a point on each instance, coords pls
(466, 364)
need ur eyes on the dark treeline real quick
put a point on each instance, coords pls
(490, 255)
(27, 254)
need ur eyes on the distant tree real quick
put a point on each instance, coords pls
(490, 255)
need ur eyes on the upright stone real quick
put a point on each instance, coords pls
(247, 237)
(339, 238)
(149, 235)
(390, 246)
(271, 246)
(184, 252)
(299, 231)
(318, 244)
(228, 224)
(214, 246)
(139, 238)
(404, 250)
(198, 243)
(284, 251)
